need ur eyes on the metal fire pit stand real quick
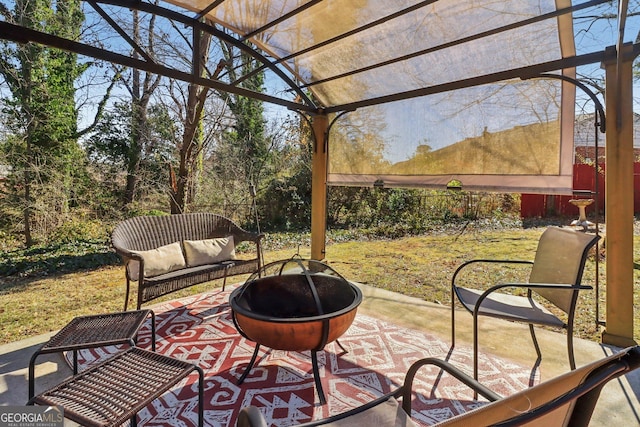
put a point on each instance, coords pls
(327, 316)
(314, 359)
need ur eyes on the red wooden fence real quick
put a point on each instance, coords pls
(541, 205)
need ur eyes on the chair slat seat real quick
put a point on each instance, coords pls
(115, 390)
(510, 307)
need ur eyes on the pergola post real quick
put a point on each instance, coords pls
(619, 201)
(319, 162)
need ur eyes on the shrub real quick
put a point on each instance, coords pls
(79, 230)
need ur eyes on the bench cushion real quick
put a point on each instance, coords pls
(162, 260)
(209, 251)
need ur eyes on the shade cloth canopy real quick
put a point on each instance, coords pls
(431, 91)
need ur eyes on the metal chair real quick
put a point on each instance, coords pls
(565, 400)
(555, 275)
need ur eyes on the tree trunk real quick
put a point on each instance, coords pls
(191, 146)
(141, 91)
(27, 214)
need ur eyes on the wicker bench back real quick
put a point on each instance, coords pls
(144, 233)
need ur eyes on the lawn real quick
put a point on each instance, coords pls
(419, 266)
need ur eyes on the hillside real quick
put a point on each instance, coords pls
(531, 149)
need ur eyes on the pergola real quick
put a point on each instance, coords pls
(406, 63)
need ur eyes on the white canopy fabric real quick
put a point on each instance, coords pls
(420, 92)
(409, 71)
(348, 51)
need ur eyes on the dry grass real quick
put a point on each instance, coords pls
(416, 266)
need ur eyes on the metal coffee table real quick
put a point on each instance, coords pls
(94, 331)
(114, 391)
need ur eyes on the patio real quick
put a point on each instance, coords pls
(619, 403)
(343, 91)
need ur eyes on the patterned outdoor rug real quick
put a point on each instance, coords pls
(200, 330)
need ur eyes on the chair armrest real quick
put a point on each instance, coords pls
(128, 256)
(241, 235)
(536, 286)
(451, 370)
(248, 236)
(132, 256)
(124, 252)
(558, 286)
(497, 287)
(491, 261)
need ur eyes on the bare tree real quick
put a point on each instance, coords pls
(141, 86)
(192, 140)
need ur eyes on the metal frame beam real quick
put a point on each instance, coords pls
(515, 73)
(20, 34)
(196, 25)
(554, 14)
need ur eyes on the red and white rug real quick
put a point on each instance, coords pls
(200, 330)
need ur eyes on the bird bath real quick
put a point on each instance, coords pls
(582, 218)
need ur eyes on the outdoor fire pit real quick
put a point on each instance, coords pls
(295, 305)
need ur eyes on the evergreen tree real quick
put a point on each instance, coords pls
(43, 153)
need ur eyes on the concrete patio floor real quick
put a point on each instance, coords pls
(619, 403)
